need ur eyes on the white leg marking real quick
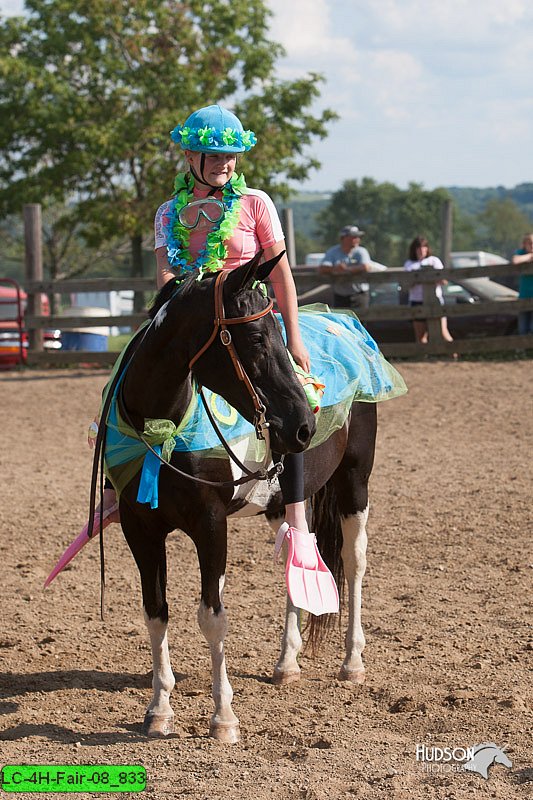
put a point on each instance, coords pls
(163, 680)
(354, 561)
(287, 669)
(224, 723)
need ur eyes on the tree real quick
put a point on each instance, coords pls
(89, 90)
(503, 226)
(304, 245)
(391, 217)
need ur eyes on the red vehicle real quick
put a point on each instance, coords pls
(13, 336)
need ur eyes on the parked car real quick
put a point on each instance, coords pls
(480, 258)
(469, 291)
(10, 328)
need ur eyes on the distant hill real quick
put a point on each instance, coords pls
(306, 206)
(471, 200)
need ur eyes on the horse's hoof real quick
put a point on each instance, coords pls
(226, 732)
(158, 726)
(282, 677)
(352, 675)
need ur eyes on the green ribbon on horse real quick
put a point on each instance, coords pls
(161, 432)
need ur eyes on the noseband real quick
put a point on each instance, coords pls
(220, 326)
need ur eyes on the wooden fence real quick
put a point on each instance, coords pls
(310, 286)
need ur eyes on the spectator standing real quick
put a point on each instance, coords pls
(348, 258)
(419, 257)
(524, 255)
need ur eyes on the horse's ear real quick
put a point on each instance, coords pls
(245, 274)
(253, 271)
(265, 269)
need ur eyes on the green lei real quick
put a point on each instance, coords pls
(212, 257)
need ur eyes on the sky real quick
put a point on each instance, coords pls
(440, 93)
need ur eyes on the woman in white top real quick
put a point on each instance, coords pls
(419, 257)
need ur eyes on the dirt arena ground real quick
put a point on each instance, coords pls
(446, 597)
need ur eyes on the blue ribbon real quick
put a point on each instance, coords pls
(149, 485)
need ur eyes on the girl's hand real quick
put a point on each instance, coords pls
(92, 432)
(299, 352)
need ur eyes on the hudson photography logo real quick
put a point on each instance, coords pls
(478, 758)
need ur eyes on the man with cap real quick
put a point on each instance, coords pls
(348, 258)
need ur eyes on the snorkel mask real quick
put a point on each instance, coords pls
(208, 207)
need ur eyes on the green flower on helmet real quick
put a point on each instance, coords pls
(185, 135)
(205, 136)
(213, 129)
(248, 139)
(229, 136)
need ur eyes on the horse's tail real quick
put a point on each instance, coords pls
(326, 523)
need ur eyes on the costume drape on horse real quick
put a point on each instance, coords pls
(343, 355)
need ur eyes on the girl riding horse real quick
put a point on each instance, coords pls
(215, 224)
(212, 222)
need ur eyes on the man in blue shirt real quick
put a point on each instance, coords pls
(345, 259)
(525, 285)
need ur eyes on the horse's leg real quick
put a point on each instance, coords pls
(212, 619)
(148, 548)
(287, 669)
(354, 563)
(351, 484)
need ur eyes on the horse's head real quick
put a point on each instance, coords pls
(261, 352)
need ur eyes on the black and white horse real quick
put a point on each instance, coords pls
(220, 330)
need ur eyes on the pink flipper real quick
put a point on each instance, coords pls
(80, 541)
(310, 584)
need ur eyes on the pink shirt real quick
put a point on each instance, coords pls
(259, 227)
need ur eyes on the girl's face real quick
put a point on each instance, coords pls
(422, 251)
(528, 244)
(218, 167)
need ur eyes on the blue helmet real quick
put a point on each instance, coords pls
(213, 129)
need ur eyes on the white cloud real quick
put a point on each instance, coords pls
(432, 91)
(427, 91)
(304, 29)
(10, 8)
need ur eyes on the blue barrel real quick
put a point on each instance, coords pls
(92, 339)
(74, 340)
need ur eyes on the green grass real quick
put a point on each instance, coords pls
(117, 343)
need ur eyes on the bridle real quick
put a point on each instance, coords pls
(220, 326)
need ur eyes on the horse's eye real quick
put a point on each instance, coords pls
(256, 338)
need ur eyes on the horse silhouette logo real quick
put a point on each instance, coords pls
(485, 755)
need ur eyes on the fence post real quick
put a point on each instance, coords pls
(288, 229)
(447, 233)
(433, 322)
(34, 269)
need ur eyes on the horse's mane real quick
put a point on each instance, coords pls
(184, 287)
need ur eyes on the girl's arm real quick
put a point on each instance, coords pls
(165, 273)
(522, 259)
(285, 291)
